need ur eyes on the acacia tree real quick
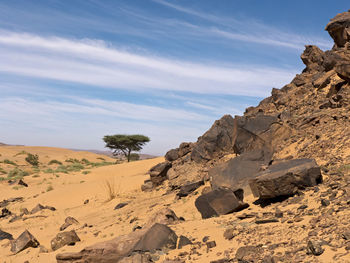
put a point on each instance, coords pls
(125, 144)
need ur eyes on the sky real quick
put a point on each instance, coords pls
(74, 71)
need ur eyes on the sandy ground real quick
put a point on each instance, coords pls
(98, 221)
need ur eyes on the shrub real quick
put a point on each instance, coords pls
(32, 159)
(71, 160)
(2, 171)
(85, 161)
(54, 162)
(49, 188)
(86, 172)
(101, 164)
(61, 169)
(134, 157)
(20, 153)
(75, 167)
(17, 173)
(48, 171)
(100, 158)
(7, 161)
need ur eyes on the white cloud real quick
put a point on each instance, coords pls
(95, 63)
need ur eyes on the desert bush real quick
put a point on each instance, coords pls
(61, 169)
(85, 161)
(48, 171)
(54, 162)
(100, 158)
(75, 167)
(49, 188)
(134, 157)
(101, 164)
(2, 171)
(32, 159)
(71, 160)
(7, 161)
(17, 173)
(111, 190)
(86, 172)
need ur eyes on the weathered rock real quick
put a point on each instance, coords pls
(147, 186)
(5, 212)
(185, 190)
(5, 235)
(315, 247)
(217, 139)
(158, 173)
(137, 258)
(324, 80)
(5, 202)
(172, 155)
(40, 207)
(43, 249)
(164, 216)
(248, 254)
(158, 237)
(24, 241)
(313, 58)
(220, 201)
(68, 222)
(266, 221)
(343, 70)
(339, 29)
(21, 182)
(285, 178)
(211, 244)
(65, 238)
(183, 241)
(236, 172)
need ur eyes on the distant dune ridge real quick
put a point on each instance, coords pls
(270, 186)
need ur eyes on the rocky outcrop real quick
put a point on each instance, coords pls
(221, 201)
(286, 178)
(158, 173)
(339, 29)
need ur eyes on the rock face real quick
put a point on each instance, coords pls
(187, 189)
(285, 178)
(68, 238)
(339, 29)
(221, 201)
(158, 173)
(24, 241)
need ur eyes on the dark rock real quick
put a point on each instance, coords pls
(314, 247)
(67, 222)
(5, 235)
(40, 207)
(86, 201)
(248, 254)
(172, 155)
(24, 241)
(217, 139)
(205, 239)
(43, 249)
(343, 70)
(313, 58)
(24, 211)
(278, 213)
(5, 202)
(339, 29)
(137, 258)
(158, 173)
(158, 237)
(183, 241)
(185, 190)
(120, 205)
(266, 221)
(325, 202)
(65, 238)
(285, 178)
(206, 190)
(21, 182)
(211, 244)
(221, 201)
(5, 212)
(346, 235)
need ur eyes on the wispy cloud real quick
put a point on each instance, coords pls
(95, 62)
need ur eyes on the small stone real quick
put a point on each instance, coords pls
(183, 241)
(68, 221)
(64, 238)
(325, 202)
(211, 244)
(43, 249)
(229, 233)
(5, 235)
(278, 213)
(266, 221)
(205, 239)
(21, 182)
(120, 205)
(86, 201)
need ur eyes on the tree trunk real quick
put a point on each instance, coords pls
(129, 152)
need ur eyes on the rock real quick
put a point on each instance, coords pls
(346, 235)
(120, 205)
(183, 241)
(343, 70)
(5, 212)
(158, 237)
(21, 182)
(5, 202)
(43, 249)
(137, 258)
(339, 29)
(230, 233)
(172, 155)
(266, 221)
(324, 80)
(217, 139)
(285, 178)
(314, 247)
(325, 202)
(86, 201)
(158, 173)
(185, 190)
(313, 58)
(24, 241)
(5, 235)
(147, 186)
(68, 221)
(64, 238)
(248, 254)
(221, 201)
(278, 213)
(40, 207)
(211, 244)
(164, 216)
(24, 211)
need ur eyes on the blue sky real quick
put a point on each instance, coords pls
(74, 71)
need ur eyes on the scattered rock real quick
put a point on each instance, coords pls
(5, 202)
(24, 241)
(211, 244)
(21, 182)
(5, 212)
(43, 249)
(136, 258)
(86, 201)
(164, 216)
(158, 173)
(325, 202)
(230, 233)
(285, 178)
(183, 241)
(5, 235)
(40, 207)
(64, 238)
(266, 221)
(248, 254)
(147, 186)
(219, 202)
(185, 190)
(68, 221)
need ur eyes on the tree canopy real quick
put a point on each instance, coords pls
(125, 144)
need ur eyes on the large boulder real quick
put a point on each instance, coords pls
(343, 71)
(220, 201)
(285, 178)
(216, 140)
(158, 173)
(187, 189)
(313, 58)
(339, 29)
(235, 172)
(24, 241)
